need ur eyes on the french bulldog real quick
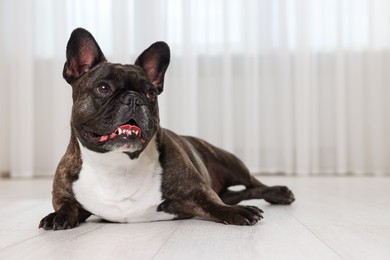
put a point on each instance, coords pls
(122, 166)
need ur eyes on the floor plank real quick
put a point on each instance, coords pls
(342, 201)
(279, 236)
(332, 218)
(96, 240)
(356, 242)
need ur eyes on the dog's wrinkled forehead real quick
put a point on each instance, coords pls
(116, 70)
(131, 76)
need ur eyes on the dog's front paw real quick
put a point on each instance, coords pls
(58, 221)
(279, 195)
(242, 215)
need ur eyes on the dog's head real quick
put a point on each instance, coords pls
(114, 106)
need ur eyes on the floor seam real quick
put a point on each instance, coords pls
(318, 237)
(166, 241)
(41, 233)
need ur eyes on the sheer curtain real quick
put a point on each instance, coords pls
(294, 87)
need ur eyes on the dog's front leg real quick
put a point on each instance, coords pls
(68, 214)
(205, 203)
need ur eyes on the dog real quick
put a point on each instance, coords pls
(122, 166)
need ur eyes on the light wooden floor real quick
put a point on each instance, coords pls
(332, 218)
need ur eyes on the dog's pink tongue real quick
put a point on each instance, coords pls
(103, 138)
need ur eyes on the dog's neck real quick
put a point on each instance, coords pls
(118, 161)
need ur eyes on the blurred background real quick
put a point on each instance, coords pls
(291, 87)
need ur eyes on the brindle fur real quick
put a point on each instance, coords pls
(196, 175)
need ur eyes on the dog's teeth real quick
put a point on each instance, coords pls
(136, 132)
(119, 131)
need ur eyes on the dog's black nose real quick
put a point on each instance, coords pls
(132, 100)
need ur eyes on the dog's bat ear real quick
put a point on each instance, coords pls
(82, 54)
(154, 61)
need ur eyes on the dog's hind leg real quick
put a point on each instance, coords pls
(257, 190)
(226, 170)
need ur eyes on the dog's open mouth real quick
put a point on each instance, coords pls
(127, 130)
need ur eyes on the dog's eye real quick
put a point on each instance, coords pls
(151, 94)
(103, 89)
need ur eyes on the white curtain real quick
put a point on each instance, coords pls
(293, 87)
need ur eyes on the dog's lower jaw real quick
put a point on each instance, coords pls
(133, 148)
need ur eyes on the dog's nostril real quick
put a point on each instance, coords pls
(138, 102)
(132, 100)
(128, 100)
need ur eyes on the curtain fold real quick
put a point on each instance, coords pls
(293, 87)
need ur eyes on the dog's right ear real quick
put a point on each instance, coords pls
(82, 54)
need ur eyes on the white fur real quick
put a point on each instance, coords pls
(119, 189)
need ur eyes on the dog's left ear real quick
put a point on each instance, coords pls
(154, 61)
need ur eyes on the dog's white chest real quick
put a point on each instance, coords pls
(119, 189)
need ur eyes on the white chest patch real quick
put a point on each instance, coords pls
(119, 189)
